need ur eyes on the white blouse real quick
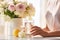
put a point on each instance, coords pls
(53, 15)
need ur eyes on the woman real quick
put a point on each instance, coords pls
(52, 21)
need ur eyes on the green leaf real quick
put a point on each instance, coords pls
(10, 14)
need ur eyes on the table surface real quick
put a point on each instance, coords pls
(4, 37)
(34, 38)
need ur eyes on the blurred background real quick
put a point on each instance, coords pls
(39, 18)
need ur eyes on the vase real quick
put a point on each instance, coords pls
(14, 23)
(2, 22)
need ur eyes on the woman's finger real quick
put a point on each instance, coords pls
(33, 29)
(36, 32)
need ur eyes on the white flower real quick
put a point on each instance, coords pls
(20, 14)
(3, 4)
(20, 7)
(22, 34)
(30, 10)
(2, 10)
(10, 2)
(11, 7)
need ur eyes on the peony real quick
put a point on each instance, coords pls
(11, 7)
(20, 7)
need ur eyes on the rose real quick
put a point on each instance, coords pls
(11, 7)
(20, 7)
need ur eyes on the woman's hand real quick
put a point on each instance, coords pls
(36, 30)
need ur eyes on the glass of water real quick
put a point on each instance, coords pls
(28, 25)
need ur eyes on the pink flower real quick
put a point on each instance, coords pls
(11, 7)
(20, 7)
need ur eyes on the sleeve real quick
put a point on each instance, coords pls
(57, 20)
(52, 18)
(49, 21)
(52, 5)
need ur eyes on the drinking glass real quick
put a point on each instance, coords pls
(28, 25)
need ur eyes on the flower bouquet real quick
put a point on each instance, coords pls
(15, 10)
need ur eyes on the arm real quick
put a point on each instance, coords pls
(54, 34)
(46, 29)
(38, 31)
(51, 34)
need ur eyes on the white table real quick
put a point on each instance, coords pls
(35, 38)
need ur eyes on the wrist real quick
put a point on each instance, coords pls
(43, 33)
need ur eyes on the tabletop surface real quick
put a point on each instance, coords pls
(34, 38)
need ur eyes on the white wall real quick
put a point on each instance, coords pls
(43, 7)
(36, 4)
